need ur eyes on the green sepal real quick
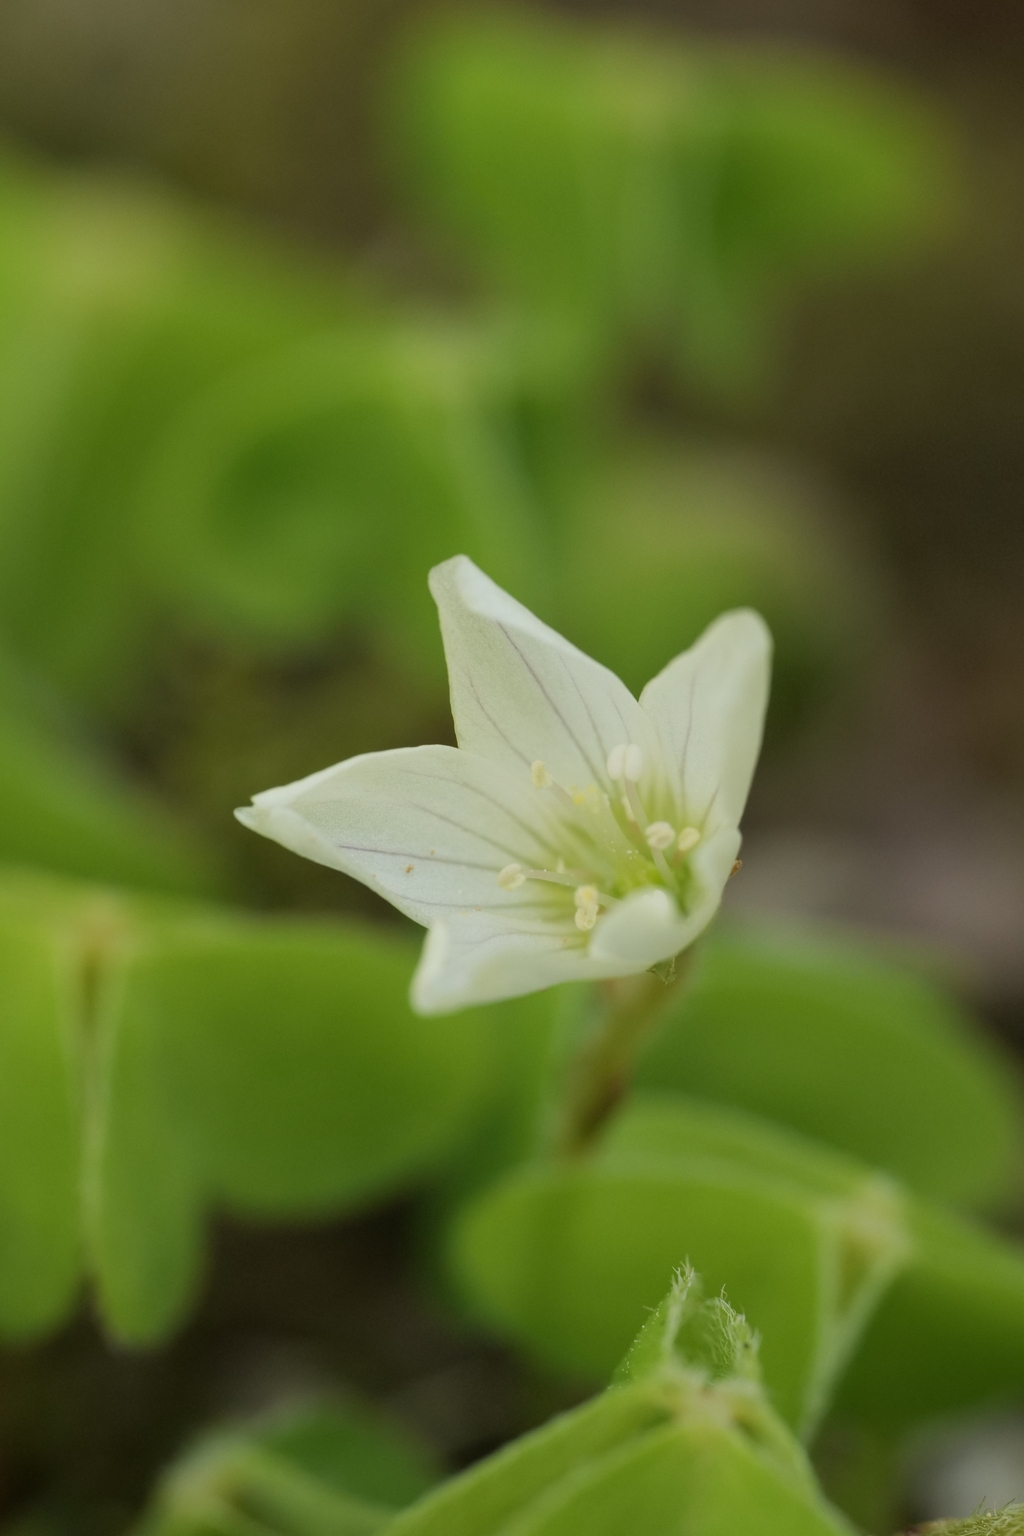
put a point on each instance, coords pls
(996, 1522)
(678, 1443)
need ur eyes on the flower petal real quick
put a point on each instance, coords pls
(645, 928)
(427, 827)
(520, 692)
(708, 706)
(476, 958)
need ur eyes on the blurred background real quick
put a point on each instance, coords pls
(653, 310)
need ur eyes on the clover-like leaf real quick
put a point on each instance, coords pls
(121, 305)
(63, 807)
(323, 1469)
(322, 480)
(861, 1293)
(836, 1039)
(657, 189)
(800, 1240)
(169, 1059)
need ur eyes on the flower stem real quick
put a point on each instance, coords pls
(599, 1073)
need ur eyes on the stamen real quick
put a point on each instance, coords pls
(511, 877)
(689, 837)
(635, 804)
(660, 835)
(626, 761)
(541, 779)
(562, 876)
(587, 899)
(633, 766)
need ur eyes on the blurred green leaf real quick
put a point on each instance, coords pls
(352, 1448)
(322, 483)
(802, 1241)
(683, 533)
(827, 1260)
(666, 189)
(215, 1061)
(948, 1336)
(685, 1441)
(833, 1038)
(62, 807)
(323, 1470)
(122, 304)
(40, 1127)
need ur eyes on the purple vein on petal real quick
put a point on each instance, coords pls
(550, 702)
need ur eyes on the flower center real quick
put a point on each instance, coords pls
(611, 845)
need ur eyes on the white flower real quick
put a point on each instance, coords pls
(575, 833)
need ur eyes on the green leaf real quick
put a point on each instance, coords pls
(568, 1257)
(899, 1311)
(710, 530)
(668, 190)
(681, 1443)
(325, 1470)
(122, 305)
(352, 1449)
(268, 1068)
(63, 807)
(40, 1128)
(949, 1334)
(834, 1039)
(214, 1061)
(322, 482)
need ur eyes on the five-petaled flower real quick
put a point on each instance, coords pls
(575, 832)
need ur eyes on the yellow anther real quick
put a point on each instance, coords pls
(511, 877)
(539, 776)
(586, 917)
(689, 837)
(660, 835)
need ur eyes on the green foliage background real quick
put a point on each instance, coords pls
(226, 464)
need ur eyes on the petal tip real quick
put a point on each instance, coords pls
(441, 577)
(747, 627)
